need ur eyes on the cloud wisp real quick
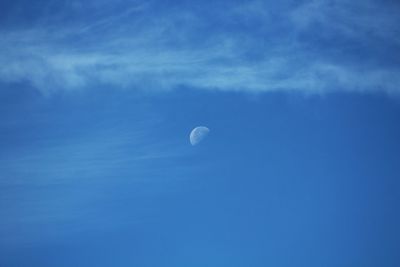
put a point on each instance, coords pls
(314, 47)
(66, 180)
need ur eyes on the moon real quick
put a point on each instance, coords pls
(198, 134)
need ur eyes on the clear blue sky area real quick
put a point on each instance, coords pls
(301, 166)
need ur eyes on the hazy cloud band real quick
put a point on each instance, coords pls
(315, 47)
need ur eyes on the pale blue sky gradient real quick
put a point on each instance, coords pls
(301, 166)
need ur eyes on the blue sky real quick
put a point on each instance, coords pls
(300, 168)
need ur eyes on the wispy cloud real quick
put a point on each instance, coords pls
(67, 182)
(259, 46)
(110, 154)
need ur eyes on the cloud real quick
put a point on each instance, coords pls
(62, 179)
(360, 21)
(314, 47)
(120, 154)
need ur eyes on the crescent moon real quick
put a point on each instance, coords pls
(198, 134)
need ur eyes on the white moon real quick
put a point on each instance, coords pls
(198, 134)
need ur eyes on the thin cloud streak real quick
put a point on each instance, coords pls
(109, 155)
